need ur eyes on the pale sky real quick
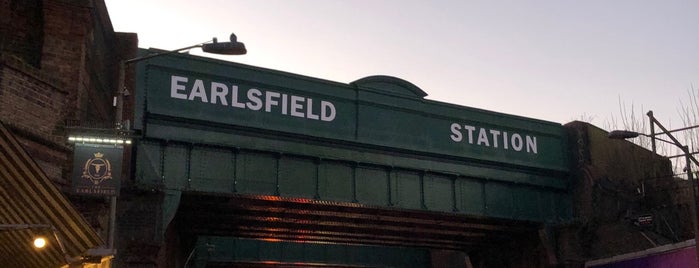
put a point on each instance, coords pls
(554, 60)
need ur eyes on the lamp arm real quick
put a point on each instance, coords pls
(119, 103)
(161, 53)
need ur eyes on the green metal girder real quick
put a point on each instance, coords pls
(230, 170)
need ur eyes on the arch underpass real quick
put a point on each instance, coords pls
(332, 222)
(295, 221)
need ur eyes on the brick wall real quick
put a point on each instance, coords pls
(79, 49)
(74, 80)
(614, 182)
(58, 64)
(30, 100)
(32, 105)
(65, 26)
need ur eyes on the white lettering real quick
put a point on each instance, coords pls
(254, 103)
(531, 145)
(496, 134)
(296, 106)
(327, 111)
(198, 91)
(483, 138)
(285, 104)
(213, 92)
(269, 102)
(219, 91)
(470, 133)
(309, 110)
(234, 98)
(456, 132)
(516, 142)
(493, 138)
(175, 87)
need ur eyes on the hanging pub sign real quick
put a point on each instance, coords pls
(96, 169)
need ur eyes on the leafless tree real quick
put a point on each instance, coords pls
(689, 114)
(634, 119)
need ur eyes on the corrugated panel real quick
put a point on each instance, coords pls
(27, 196)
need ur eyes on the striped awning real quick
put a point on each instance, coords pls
(29, 199)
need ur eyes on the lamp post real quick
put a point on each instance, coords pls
(224, 48)
(232, 47)
(689, 159)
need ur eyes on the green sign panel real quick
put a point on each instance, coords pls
(383, 113)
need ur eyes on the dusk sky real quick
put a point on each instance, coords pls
(552, 60)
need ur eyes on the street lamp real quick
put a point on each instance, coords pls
(625, 134)
(233, 47)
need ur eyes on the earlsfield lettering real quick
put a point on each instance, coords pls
(251, 99)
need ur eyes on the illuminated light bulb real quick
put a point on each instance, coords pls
(39, 242)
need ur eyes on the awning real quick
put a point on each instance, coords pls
(28, 199)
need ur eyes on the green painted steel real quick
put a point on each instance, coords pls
(225, 94)
(215, 169)
(228, 250)
(375, 142)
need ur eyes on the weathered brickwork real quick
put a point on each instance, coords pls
(63, 45)
(78, 49)
(58, 71)
(74, 80)
(614, 182)
(30, 101)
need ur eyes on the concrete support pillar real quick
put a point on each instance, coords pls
(144, 231)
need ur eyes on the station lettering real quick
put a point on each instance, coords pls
(251, 99)
(493, 138)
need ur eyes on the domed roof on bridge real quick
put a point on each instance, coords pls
(390, 84)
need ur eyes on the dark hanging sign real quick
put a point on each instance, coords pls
(97, 169)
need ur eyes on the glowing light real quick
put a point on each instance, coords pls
(271, 198)
(40, 242)
(102, 140)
